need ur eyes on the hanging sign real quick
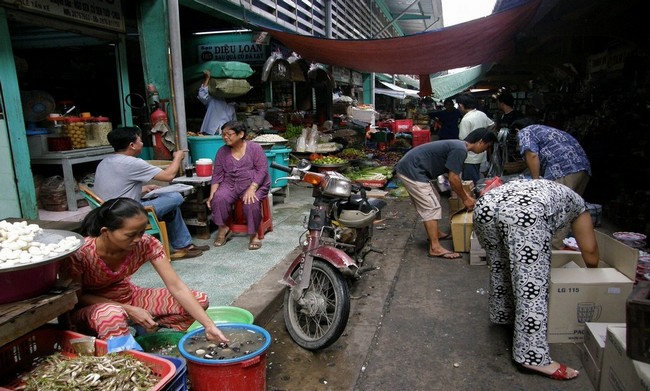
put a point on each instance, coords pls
(357, 78)
(247, 52)
(100, 13)
(341, 74)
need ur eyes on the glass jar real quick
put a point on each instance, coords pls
(74, 128)
(101, 127)
(55, 126)
(92, 139)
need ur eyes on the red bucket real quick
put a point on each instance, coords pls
(246, 373)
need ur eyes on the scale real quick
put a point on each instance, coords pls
(37, 106)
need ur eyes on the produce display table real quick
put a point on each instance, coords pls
(21, 317)
(66, 159)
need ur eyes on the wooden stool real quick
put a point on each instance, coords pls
(237, 223)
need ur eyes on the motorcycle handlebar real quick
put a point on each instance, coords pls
(281, 167)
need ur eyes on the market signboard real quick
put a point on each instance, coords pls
(247, 52)
(341, 74)
(106, 14)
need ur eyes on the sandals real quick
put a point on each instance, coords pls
(560, 374)
(254, 245)
(221, 241)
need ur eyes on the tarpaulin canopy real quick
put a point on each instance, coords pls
(445, 86)
(396, 91)
(479, 41)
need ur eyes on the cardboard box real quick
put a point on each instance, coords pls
(637, 310)
(595, 338)
(476, 252)
(593, 349)
(619, 372)
(362, 114)
(578, 295)
(590, 367)
(461, 230)
(455, 205)
(468, 186)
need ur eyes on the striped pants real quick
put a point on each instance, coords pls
(109, 320)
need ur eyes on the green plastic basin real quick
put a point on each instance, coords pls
(162, 343)
(226, 314)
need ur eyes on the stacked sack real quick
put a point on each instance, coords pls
(228, 78)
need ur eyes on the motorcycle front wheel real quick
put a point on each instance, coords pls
(320, 318)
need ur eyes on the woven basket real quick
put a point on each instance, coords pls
(514, 167)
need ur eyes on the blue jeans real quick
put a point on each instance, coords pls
(167, 207)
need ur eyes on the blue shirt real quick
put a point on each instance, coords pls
(449, 120)
(428, 161)
(218, 112)
(559, 153)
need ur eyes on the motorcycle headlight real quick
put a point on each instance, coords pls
(337, 187)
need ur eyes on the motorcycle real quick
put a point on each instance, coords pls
(337, 239)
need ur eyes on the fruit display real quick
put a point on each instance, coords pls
(329, 161)
(352, 154)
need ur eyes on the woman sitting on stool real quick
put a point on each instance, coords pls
(240, 172)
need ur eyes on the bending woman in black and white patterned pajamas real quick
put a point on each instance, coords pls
(515, 223)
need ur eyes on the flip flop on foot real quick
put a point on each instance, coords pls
(444, 236)
(223, 240)
(254, 245)
(445, 255)
(561, 373)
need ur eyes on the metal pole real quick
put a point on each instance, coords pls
(396, 18)
(178, 95)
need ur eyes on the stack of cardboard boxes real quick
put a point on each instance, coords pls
(461, 219)
(606, 362)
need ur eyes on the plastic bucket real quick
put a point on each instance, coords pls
(226, 314)
(204, 147)
(246, 373)
(156, 342)
(282, 158)
(203, 167)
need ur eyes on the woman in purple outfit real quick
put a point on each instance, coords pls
(240, 172)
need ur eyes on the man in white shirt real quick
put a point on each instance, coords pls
(472, 119)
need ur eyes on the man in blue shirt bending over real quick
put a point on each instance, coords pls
(555, 155)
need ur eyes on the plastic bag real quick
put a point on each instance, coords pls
(52, 194)
(123, 342)
(491, 184)
(442, 184)
(228, 88)
(218, 69)
(266, 69)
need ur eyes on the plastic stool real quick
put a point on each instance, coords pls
(237, 223)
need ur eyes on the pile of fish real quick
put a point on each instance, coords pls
(114, 372)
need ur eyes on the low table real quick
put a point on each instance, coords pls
(194, 209)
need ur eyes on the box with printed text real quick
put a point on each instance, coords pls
(578, 295)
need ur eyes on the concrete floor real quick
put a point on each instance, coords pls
(416, 323)
(224, 273)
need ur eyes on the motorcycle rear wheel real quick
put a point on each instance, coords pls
(321, 320)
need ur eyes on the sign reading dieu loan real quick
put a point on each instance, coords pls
(232, 51)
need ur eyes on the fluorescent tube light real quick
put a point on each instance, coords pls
(222, 32)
